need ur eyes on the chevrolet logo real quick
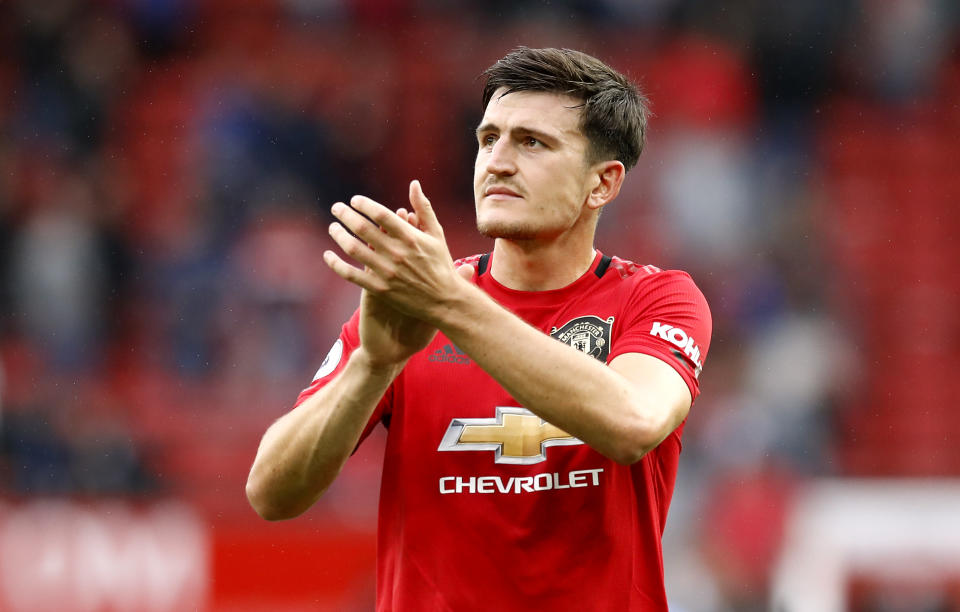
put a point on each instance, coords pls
(515, 435)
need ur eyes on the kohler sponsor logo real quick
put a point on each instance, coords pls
(680, 339)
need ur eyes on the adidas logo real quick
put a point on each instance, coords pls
(449, 354)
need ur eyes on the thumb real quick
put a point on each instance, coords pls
(466, 271)
(424, 210)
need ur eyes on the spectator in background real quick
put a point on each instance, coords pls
(59, 274)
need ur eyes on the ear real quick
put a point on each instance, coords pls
(606, 178)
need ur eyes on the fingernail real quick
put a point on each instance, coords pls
(336, 208)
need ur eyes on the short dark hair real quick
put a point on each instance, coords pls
(614, 111)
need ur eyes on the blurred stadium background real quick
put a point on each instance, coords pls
(166, 170)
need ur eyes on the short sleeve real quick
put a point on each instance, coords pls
(666, 316)
(334, 362)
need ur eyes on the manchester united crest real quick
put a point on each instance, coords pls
(589, 334)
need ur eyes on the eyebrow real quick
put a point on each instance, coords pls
(540, 135)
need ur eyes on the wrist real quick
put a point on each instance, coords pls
(375, 367)
(459, 307)
(455, 305)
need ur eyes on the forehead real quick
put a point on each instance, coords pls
(548, 112)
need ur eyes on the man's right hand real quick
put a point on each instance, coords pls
(305, 449)
(387, 336)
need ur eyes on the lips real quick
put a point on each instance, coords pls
(500, 190)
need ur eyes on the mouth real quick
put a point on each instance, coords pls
(498, 191)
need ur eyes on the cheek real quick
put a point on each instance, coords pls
(480, 164)
(567, 193)
(478, 176)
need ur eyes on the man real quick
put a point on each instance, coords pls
(521, 473)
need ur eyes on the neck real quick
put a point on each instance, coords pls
(537, 266)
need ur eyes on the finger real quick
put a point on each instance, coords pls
(409, 217)
(361, 278)
(381, 215)
(423, 209)
(359, 225)
(356, 249)
(466, 271)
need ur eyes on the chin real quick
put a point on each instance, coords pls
(507, 231)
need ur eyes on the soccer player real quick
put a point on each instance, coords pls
(534, 396)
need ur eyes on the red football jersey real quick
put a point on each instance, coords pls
(485, 506)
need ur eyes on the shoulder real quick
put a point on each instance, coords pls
(649, 290)
(471, 260)
(628, 269)
(648, 277)
(479, 262)
(664, 315)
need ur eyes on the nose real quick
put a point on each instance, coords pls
(502, 158)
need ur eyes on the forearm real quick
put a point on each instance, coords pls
(303, 451)
(569, 389)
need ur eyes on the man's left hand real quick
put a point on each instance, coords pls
(409, 268)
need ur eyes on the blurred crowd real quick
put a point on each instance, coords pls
(166, 172)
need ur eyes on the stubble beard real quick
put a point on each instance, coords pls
(514, 231)
(508, 230)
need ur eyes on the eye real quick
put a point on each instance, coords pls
(487, 140)
(532, 142)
